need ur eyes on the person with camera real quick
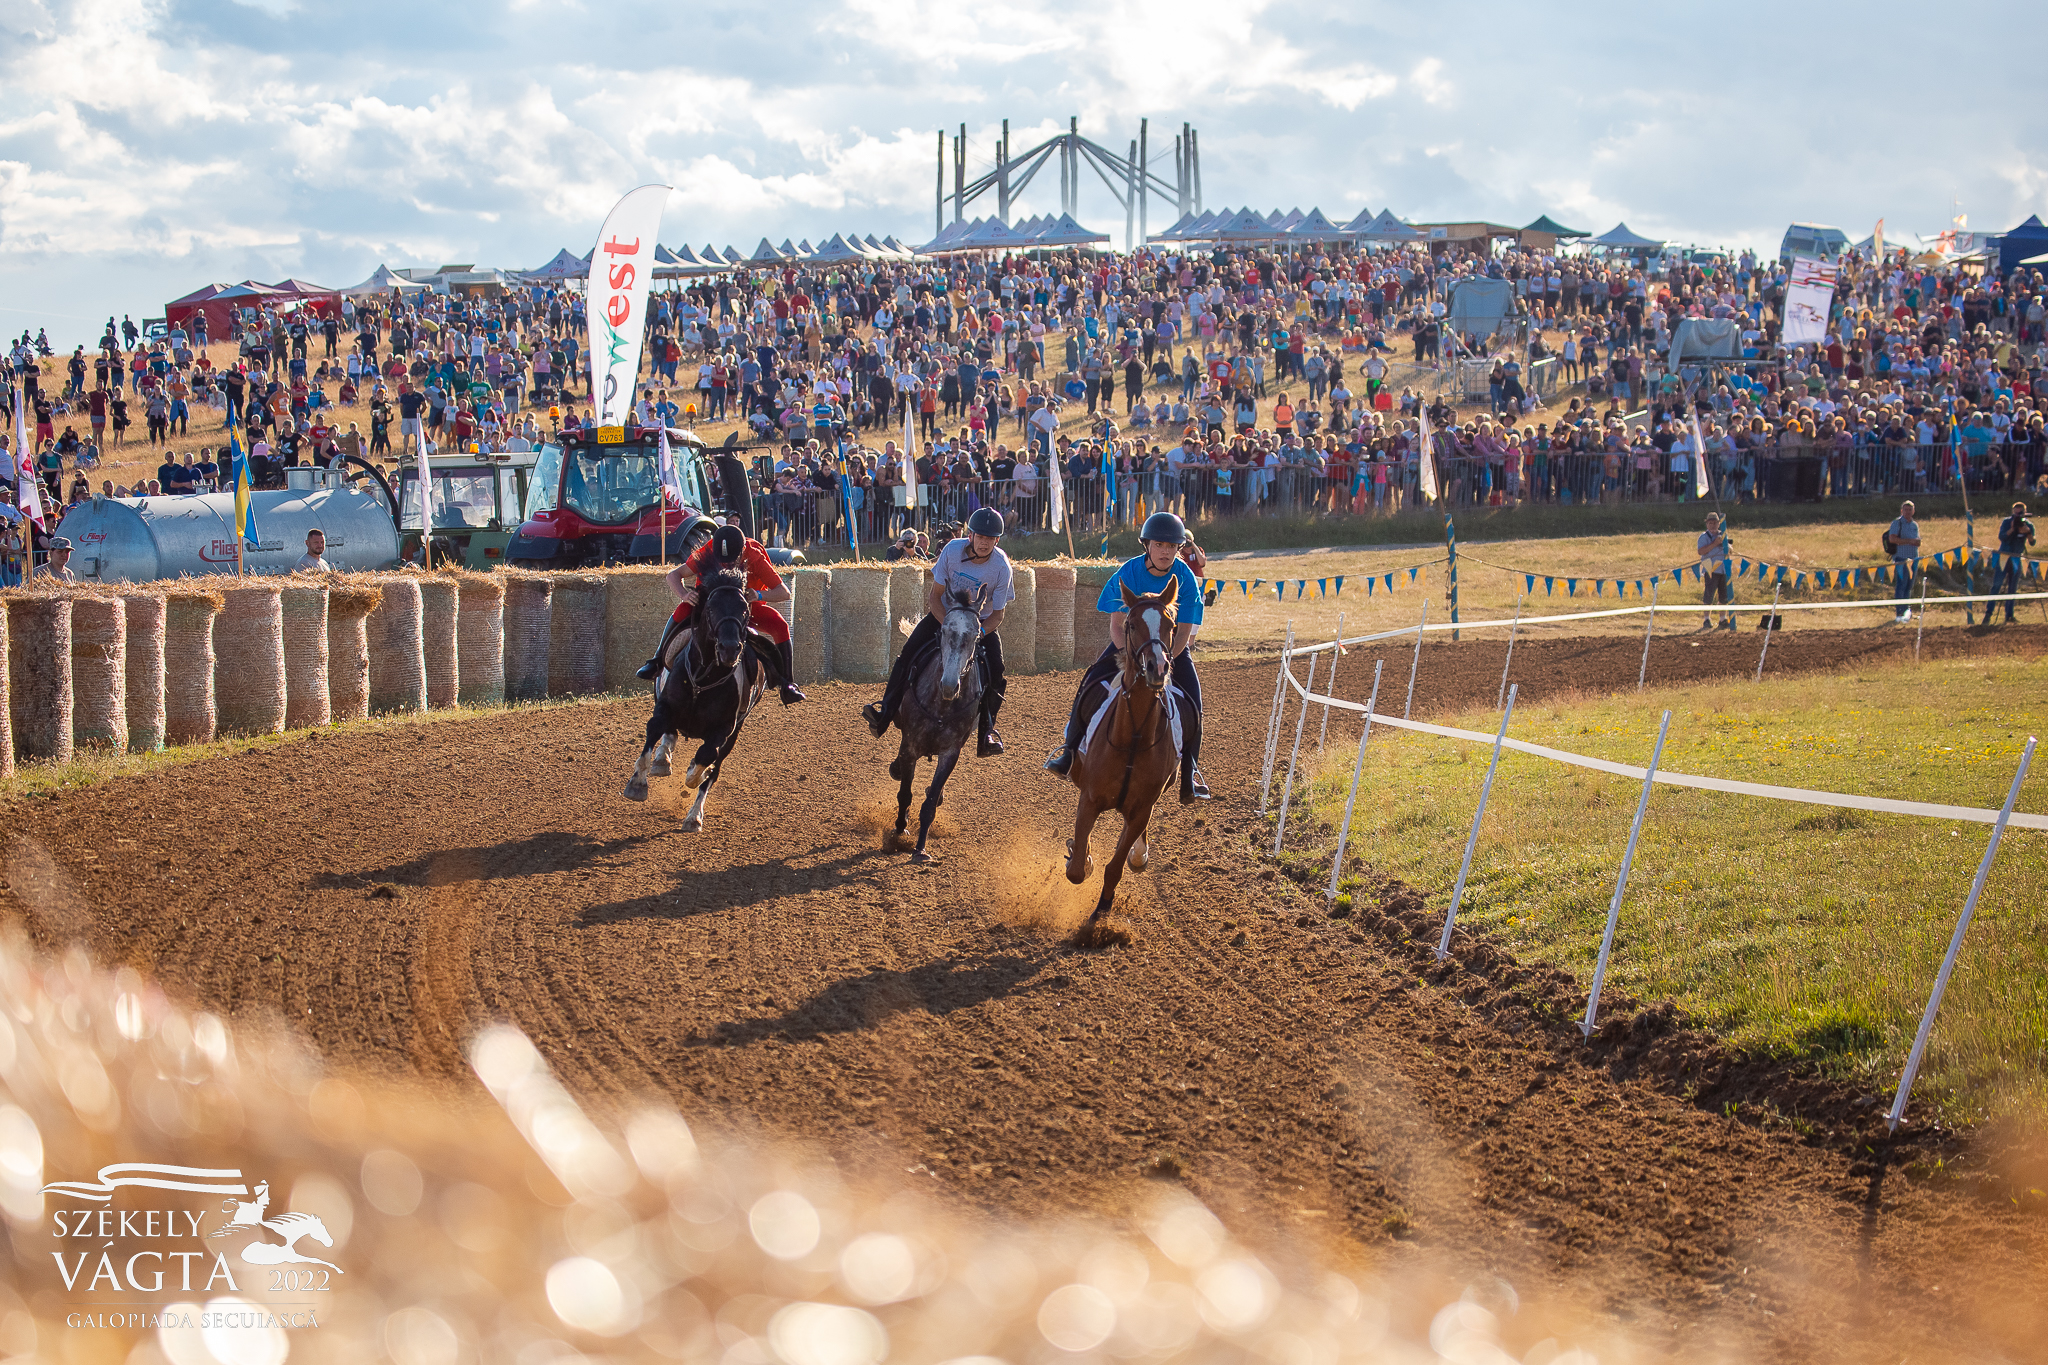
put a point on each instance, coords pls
(2015, 535)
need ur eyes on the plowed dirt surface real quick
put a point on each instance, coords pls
(1316, 1081)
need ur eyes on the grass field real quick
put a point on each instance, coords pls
(1795, 929)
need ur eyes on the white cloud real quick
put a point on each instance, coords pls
(153, 144)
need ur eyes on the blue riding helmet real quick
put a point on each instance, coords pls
(986, 521)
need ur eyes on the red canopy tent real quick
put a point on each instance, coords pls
(326, 302)
(180, 312)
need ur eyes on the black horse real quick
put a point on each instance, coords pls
(939, 713)
(709, 682)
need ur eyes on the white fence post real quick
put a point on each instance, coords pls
(1769, 623)
(1330, 686)
(1500, 697)
(1344, 830)
(1443, 949)
(1920, 627)
(1649, 628)
(1273, 721)
(1412, 667)
(1955, 943)
(1294, 759)
(1628, 859)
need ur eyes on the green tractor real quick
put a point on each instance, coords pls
(478, 500)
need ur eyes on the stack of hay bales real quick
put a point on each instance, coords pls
(480, 639)
(99, 671)
(810, 623)
(143, 668)
(190, 608)
(303, 604)
(909, 582)
(1054, 627)
(576, 635)
(861, 635)
(351, 599)
(398, 660)
(39, 673)
(637, 605)
(1020, 622)
(529, 613)
(1091, 627)
(248, 668)
(437, 639)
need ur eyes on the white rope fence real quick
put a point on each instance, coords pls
(1653, 775)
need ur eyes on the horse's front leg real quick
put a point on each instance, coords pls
(904, 770)
(1096, 931)
(933, 799)
(662, 749)
(657, 731)
(1079, 865)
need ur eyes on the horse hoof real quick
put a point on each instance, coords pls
(920, 857)
(692, 825)
(1097, 934)
(636, 790)
(692, 775)
(658, 768)
(1136, 858)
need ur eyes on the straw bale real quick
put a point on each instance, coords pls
(143, 669)
(99, 672)
(350, 600)
(189, 613)
(529, 614)
(907, 582)
(1020, 622)
(1091, 627)
(437, 637)
(480, 639)
(1055, 624)
(398, 661)
(637, 604)
(810, 623)
(304, 607)
(39, 673)
(576, 635)
(861, 632)
(248, 664)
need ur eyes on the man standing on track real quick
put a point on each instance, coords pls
(1902, 539)
(967, 564)
(2015, 534)
(1713, 552)
(1161, 538)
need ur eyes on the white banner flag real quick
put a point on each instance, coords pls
(615, 299)
(910, 453)
(1059, 490)
(28, 493)
(1425, 464)
(1699, 460)
(1809, 294)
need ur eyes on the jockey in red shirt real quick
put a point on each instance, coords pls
(728, 545)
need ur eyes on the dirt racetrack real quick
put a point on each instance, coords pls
(384, 892)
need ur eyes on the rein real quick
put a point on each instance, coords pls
(704, 620)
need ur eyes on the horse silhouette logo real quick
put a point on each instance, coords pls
(247, 1215)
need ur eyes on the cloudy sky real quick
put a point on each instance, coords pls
(150, 146)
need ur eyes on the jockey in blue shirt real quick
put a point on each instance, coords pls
(1161, 537)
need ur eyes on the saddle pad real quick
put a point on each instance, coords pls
(1174, 697)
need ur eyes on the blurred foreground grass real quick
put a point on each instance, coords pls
(1798, 930)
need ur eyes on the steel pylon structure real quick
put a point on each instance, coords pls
(1128, 177)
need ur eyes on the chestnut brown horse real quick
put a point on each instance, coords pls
(1130, 758)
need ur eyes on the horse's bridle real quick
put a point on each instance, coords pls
(708, 682)
(1159, 700)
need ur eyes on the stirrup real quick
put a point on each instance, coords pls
(877, 724)
(650, 670)
(1060, 762)
(790, 694)
(988, 744)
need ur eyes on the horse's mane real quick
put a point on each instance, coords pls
(720, 576)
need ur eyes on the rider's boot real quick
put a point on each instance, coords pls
(785, 655)
(988, 743)
(879, 715)
(651, 670)
(1192, 787)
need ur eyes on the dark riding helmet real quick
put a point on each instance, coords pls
(729, 543)
(1164, 527)
(986, 521)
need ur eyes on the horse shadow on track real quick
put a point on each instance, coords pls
(693, 891)
(552, 851)
(939, 987)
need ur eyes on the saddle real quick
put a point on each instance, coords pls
(1097, 711)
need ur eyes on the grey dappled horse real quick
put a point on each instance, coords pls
(939, 713)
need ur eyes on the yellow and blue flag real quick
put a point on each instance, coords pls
(245, 484)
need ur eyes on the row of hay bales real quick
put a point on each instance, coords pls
(133, 668)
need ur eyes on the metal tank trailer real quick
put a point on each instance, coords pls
(138, 540)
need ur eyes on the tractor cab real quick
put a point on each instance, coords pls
(478, 502)
(596, 497)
